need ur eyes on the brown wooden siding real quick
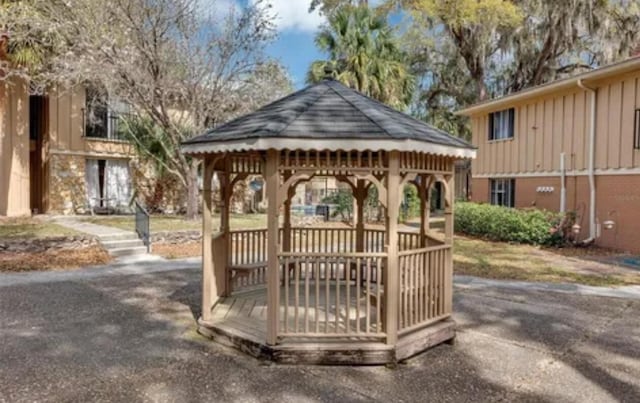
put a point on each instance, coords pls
(559, 122)
(14, 148)
(66, 126)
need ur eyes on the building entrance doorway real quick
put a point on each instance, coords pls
(38, 107)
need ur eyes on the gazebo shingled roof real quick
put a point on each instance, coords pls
(325, 116)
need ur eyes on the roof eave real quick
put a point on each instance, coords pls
(258, 144)
(559, 85)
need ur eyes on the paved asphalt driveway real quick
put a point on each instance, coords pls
(131, 338)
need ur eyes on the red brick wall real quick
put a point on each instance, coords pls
(617, 199)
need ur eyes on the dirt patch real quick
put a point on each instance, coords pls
(53, 259)
(500, 260)
(177, 251)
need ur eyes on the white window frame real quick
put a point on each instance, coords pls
(502, 192)
(501, 124)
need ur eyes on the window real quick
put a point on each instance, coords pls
(636, 130)
(108, 183)
(503, 192)
(104, 117)
(501, 124)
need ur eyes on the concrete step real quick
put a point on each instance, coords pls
(118, 236)
(137, 250)
(124, 243)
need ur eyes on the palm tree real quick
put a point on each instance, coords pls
(363, 54)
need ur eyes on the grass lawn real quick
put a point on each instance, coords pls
(179, 223)
(499, 260)
(27, 227)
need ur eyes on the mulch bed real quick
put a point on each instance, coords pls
(53, 259)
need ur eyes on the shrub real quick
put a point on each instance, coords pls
(497, 223)
(343, 201)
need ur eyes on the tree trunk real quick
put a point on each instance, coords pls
(192, 191)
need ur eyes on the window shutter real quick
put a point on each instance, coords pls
(491, 126)
(511, 122)
(512, 201)
(636, 130)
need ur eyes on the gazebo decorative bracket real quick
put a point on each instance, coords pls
(382, 190)
(444, 179)
(283, 191)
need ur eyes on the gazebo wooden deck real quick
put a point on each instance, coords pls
(357, 295)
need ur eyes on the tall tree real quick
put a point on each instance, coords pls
(363, 53)
(181, 70)
(499, 46)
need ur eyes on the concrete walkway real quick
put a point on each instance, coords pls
(125, 266)
(96, 230)
(116, 241)
(147, 264)
(469, 282)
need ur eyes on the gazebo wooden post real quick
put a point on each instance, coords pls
(425, 207)
(223, 243)
(272, 178)
(391, 281)
(286, 225)
(208, 274)
(448, 239)
(360, 197)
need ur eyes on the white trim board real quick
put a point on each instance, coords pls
(92, 154)
(598, 172)
(329, 144)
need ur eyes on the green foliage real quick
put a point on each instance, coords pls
(466, 51)
(343, 201)
(410, 206)
(363, 53)
(496, 223)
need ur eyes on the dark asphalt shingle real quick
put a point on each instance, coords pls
(328, 110)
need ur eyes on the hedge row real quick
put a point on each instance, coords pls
(497, 223)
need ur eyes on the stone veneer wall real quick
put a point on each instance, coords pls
(67, 190)
(158, 192)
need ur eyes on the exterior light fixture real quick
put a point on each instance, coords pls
(609, 224)
(575, 228)
(256, 185)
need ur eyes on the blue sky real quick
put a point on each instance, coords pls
(295, 47)
(296, 51)
(296, 29)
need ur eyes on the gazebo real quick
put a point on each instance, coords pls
(358, 294)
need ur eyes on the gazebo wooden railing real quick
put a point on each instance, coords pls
(247, 248)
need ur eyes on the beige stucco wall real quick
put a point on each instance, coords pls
(14, 148)
(559, 122)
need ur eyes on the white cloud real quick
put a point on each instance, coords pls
(294, 15)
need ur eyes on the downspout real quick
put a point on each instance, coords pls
(591, 166)
(563, 184)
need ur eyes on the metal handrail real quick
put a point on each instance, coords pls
(142, 225)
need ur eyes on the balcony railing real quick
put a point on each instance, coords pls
(102, 123)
